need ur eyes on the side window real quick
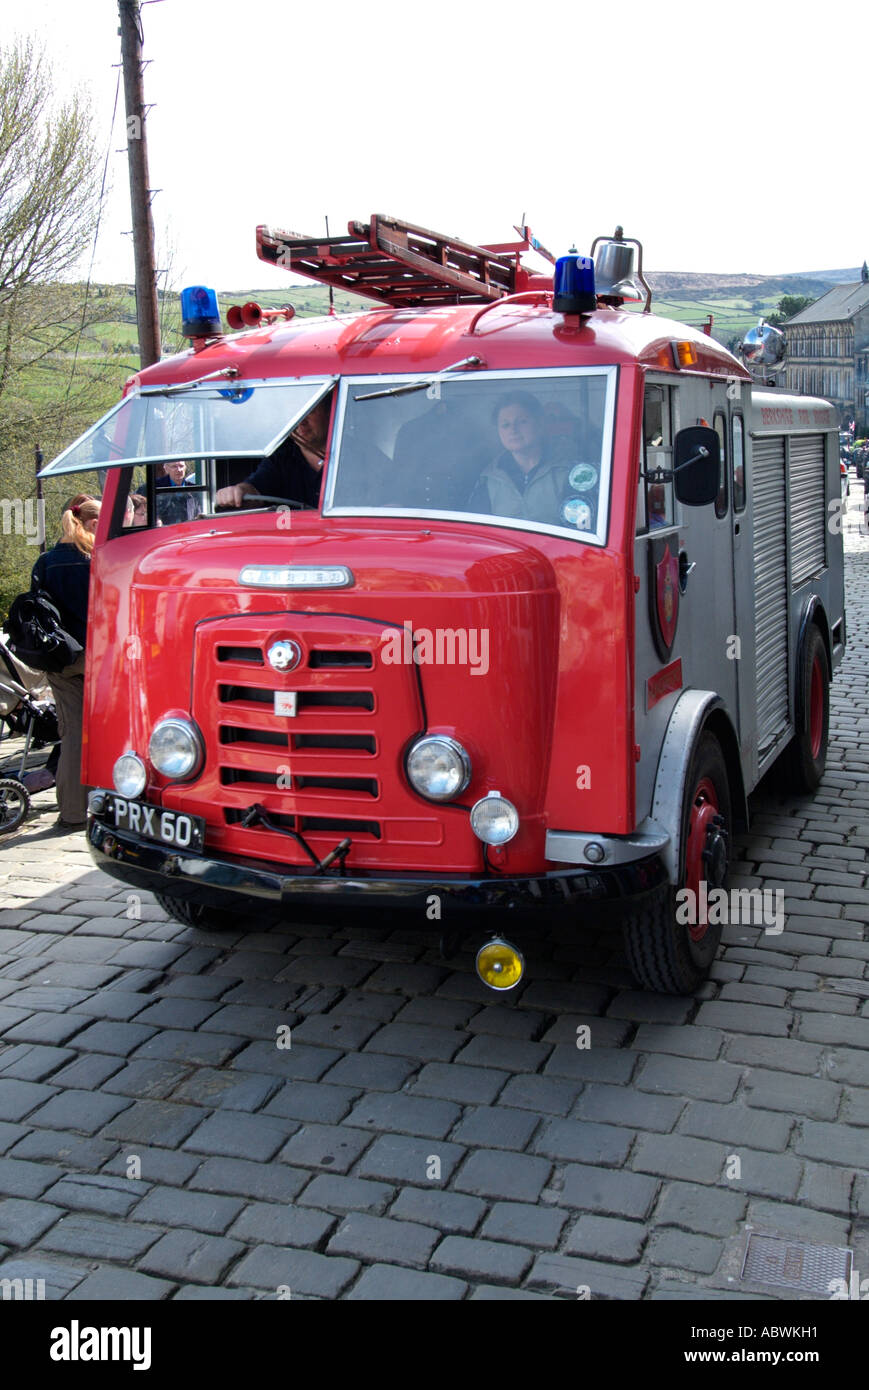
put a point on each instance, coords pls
(720, 427)
(179, 490)
(658, 454)
(737, 461)
(641, 526)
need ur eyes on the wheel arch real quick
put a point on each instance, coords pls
(695, 712)
(815, 613)
(719, 724)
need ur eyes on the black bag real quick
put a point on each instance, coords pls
(37, 635)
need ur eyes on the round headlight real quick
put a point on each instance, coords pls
(438, 768)
(494, 820)
(129, 776)
(175, 748)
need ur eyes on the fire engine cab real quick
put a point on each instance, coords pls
(497, 595)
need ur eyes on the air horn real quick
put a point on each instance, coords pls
(251, 315)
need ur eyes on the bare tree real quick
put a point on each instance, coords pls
(49, 203)
(53, 376)
(49, 185)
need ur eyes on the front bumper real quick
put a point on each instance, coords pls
(229, 882)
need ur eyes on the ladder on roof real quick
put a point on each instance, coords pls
(403, 265)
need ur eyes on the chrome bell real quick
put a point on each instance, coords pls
(614, 271)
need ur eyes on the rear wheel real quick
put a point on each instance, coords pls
(670, 942)
(194, 915)
(805, 758)
(14, 804)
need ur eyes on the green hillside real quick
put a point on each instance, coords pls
(735, 303)
(118, 336)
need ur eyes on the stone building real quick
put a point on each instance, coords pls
(828, 350)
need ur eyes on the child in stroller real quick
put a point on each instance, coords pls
(26, 708)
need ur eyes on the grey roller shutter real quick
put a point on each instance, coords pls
(807, 507)
(770, 588)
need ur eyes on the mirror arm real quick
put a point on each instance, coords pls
(702, 453)
(666, 475)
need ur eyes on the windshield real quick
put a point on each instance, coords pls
(238, 420)
(522, 449)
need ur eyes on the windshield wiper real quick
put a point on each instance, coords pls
(409, 386)
(188, 385)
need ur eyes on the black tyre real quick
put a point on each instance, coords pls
(805, 758)
(193, 915)
(14, 804)
(668, 941)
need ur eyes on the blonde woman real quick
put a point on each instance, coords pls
(64, 573)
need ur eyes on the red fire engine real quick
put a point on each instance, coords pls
(499, 595)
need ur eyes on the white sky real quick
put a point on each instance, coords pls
(726, 137)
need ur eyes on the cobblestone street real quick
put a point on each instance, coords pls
(422, 1138)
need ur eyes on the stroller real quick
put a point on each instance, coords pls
(23, 711)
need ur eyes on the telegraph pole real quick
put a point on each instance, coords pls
(39, 459)
(147, 313)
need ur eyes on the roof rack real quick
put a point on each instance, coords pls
(403, 265)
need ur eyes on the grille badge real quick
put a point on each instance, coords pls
(284, 656)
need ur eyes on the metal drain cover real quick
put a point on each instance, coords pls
(793, 1264)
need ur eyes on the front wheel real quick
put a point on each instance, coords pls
(671, 942)
(805, 758)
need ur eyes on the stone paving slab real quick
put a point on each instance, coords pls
(418, 1138)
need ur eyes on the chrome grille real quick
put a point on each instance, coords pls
(330, 770)
(241, 654)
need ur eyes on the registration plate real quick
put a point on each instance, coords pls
(174, 828)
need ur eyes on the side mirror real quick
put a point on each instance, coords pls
(696, 464)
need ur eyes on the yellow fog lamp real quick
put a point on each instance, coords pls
(500, 965)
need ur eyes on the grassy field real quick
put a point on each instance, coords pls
(731, 317)
(119, 337)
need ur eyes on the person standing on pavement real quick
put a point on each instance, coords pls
(64, 573)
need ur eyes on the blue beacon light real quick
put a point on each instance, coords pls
(200, 314)
(574, 285)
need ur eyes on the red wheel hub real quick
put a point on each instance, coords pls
(816, 708)
(703, 859)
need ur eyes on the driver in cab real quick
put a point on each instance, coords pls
(294, 469)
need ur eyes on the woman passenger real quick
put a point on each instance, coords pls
(526, 479)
